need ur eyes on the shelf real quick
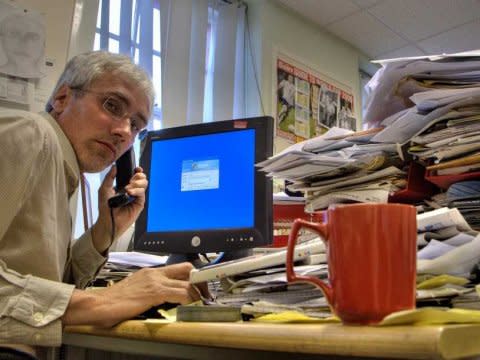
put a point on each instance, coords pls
(283, 217)
(444, 181)
(417, 187)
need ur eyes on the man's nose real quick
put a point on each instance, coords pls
(123, 128)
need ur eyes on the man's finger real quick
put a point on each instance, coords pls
(174, 283)
(178, 271)
(138, 182)
(137, 192)
(178, 296)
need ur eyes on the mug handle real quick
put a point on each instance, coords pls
(321, 229)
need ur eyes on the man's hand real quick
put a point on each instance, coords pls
(131, 296)
(124, 216)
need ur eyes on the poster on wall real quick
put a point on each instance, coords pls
(307, 103)
(346, 118)
(16, 89)
(22, 42)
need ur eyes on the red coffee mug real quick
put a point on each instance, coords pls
(371, 253)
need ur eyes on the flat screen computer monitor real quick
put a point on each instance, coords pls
(204, 192)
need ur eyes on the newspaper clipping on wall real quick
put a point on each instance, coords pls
(307, 105)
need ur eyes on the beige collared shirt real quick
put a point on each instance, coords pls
(38, 267)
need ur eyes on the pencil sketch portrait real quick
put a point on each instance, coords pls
(22, 43)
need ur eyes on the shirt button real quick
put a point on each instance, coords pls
(38, 317)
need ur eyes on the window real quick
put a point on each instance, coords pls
(132, 27)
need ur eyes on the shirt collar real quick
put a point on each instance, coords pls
(72, 169)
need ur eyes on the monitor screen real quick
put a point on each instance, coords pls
(204, 192)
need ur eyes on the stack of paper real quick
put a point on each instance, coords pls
(465, 196)
(335, 168)
(441, 290)
(259, 282)
(451, 140)
(440, 231)
(432, 106)
(267, 291)
(397, 80)
(468, 300)
(456, 250)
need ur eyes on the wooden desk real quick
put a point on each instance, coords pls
(283, 341)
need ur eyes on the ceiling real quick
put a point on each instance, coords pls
(384, 29)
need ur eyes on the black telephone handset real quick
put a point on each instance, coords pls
(125, 170)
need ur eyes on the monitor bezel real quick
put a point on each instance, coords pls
(201, 241)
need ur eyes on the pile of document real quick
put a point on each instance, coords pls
(468, 299)
(449, 251)
(448, 247)
(446, 291)
(426, 109)
(258, 284)
(431, 106)
(465, 196)
(339, 166)
(266, 291)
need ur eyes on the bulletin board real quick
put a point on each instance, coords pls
(306, 102)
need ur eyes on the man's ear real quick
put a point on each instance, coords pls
(61, 99)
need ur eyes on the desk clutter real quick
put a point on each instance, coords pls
(421, 148)
(447, 276)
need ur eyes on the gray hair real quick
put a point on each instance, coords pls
(82, 70)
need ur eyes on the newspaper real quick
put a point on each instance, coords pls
(459, 261)
(358, 195)
(441, 218)
(341, 182)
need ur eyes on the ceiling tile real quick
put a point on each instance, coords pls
(364, 4)
(406, 51)
(367, 33)
(322, 11)
(417, 20)
(462, 38)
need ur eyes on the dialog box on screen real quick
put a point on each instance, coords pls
(200, 174)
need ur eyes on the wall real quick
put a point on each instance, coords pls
(70, 28)
(274, 28)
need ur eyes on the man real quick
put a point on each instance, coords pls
(331, 109)
(100, 103)
(286, 91)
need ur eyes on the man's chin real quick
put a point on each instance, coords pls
(94, 166)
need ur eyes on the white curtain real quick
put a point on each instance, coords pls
(202, 61)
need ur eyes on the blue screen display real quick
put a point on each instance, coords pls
(203, 182)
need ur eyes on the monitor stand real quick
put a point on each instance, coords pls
(195, 260)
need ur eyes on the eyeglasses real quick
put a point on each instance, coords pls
(117, 108)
